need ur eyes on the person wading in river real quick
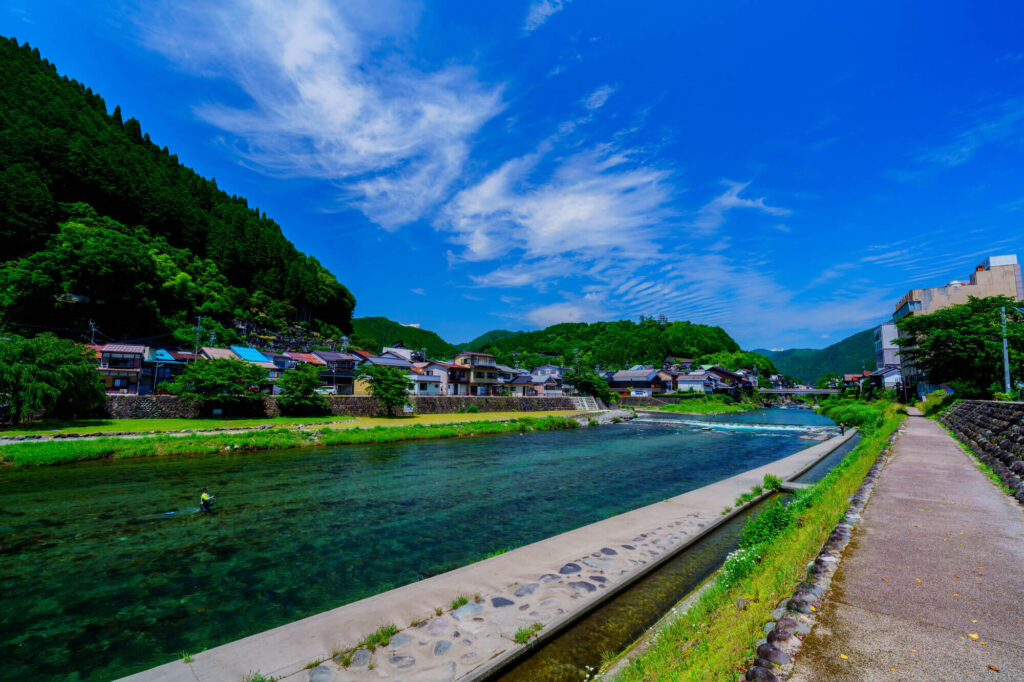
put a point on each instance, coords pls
(206, 500)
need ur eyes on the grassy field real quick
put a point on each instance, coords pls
(43, 453)
(714, 640)
(49, 427)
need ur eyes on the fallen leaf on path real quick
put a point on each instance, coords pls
(844, 657)
(917, 579)
(983, 643)
(992, 667)
(974, 637)
(974, 620)
(914, 650)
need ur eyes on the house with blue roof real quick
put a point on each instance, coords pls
(158, 367)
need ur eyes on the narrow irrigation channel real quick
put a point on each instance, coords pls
(614, 625)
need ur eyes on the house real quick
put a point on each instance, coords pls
(120, 367)
(364, 359)
(507, 374)
(700, 383)
(158, 366)
(535, 385)
(749, 378)
(256, 357)
(281, 360)
(640, 382)
(211, 353)
(483, 372)
(553, 370)
(307, 358)
(850, 380)
(423, 383)
(458, 378)
(727, 379)
(886, 377)
(339, 372)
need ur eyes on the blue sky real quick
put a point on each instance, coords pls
(785, 172)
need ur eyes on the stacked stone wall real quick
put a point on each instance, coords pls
(173, 407)
(994, 431)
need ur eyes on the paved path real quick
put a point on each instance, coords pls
(939, 556)
(549, 582)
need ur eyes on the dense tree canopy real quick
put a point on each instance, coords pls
(47, 374)
(962, 345)
(613, 345)
(223, 380)
(59, 144)
(373, 333)
(389, 385)
(741, 360)
(299, 387)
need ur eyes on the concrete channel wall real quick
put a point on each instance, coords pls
(552, 582)
(994, 431)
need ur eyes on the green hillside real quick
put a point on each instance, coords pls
(613, 344)
(373, 333)
(98, 222)
(484, 339)
(852, 354)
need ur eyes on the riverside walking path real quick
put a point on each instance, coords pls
(931, 586)
(550, 582)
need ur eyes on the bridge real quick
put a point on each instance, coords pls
(795, 391)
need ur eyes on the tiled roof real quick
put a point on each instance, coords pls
(249, 354)
(182, 355)
(479, 355)
(123, 348)
(331, 356)
(634, 374)
(692, 377)
(308, 358)
(424, 377)
(390, 362)
(218, 353)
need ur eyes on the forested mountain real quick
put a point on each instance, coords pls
(852, 354)
(159, 244)
(482, 340)
(373, 333)
(613, 344)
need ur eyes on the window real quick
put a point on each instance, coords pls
(120, 383)
(423, 386)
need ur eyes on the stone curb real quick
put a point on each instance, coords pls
(795, 616)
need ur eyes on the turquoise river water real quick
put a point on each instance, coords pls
(100, 580)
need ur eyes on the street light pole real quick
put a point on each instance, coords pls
(1006, 354)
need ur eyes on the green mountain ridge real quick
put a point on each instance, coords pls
(488, 337)
(853, 354)
(373, 333)
(154, 243)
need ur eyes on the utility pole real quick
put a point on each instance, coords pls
(1006, 354)
(195, 349)
(92, 332)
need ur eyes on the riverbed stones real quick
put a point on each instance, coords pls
(609, 551)
(360, 659)
(548, 578)
(569, 569)
(500, 602)
(599, 563)
(759, 674)
(400, 640)
(321, 673)
(402, 662)
(526, 590)
(773, 653)
(467, 610)
(437, 626)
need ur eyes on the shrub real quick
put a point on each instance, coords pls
(738, 565)
(766, 526)
(772, 482)
(935, 402)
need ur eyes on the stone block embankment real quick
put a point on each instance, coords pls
(173, 407)
(994, 431)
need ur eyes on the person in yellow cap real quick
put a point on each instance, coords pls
(206, 500)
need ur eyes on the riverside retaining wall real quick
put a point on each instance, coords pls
(994, 431)
(169, 406)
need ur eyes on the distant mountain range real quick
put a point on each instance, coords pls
(852, 354)
(373, 333)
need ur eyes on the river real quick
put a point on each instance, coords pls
(101, 579)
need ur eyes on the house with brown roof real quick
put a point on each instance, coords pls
(483, 372)
(120, 366)
(339, 371)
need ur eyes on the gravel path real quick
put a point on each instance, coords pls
(931, 586)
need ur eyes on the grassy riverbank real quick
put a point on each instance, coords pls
(714, 640)
(60, 452)
(712, 404)
(50, 427)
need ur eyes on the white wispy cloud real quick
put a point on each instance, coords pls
(597, 98)
(712, 214)
(540, 11)
(325, 102)
(418, 290)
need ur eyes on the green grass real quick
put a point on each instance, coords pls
(715, 641)
(499, 552)
(49, 427)
(382, 637)
(934, 402)
(708, 405)
(459, 601)
(59, 452)
(525, 633)
(257, 677)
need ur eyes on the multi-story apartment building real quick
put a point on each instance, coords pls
(483, 374)
(886, 350)
(995, 276)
